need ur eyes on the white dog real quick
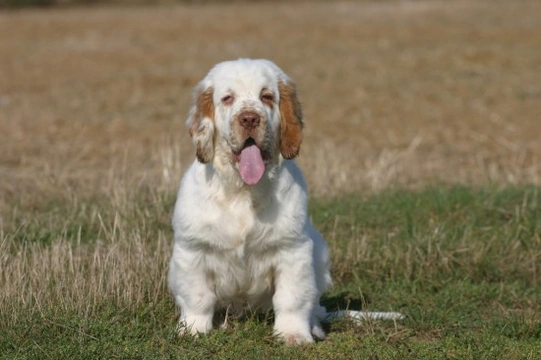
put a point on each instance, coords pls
(242, 233)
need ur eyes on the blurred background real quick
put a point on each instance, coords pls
(396, 93)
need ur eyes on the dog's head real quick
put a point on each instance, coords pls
(246, 114)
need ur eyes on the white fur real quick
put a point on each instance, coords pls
(239, 246)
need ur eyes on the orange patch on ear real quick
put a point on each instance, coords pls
(200, 128)
(204, 107)
(291, 123)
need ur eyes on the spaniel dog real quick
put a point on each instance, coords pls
(242, 235)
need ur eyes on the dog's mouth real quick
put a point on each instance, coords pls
(251, 161)
(249, 142)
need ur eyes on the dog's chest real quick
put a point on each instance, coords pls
(245, 259)
(242, 226)
(243, 273)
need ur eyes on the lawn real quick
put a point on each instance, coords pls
(461, 264)
(421, 152)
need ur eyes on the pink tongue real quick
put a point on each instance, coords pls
(251, 166)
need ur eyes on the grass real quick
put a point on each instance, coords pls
(421, 151)
(462, 264)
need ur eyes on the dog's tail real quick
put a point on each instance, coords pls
(364, 315)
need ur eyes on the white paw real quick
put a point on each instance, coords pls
(194, 325)
(296, 339)
(293, 329)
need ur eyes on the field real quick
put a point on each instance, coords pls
(422, 152)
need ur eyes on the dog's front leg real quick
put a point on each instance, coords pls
(190, 285)
(295, 295)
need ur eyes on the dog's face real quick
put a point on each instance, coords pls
(245, 114)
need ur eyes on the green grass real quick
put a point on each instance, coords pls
(462, 264)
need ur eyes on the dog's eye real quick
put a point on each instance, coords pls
(228, 99)
(267, 98)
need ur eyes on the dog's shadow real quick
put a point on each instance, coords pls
(345, 301)
(342, 301)
(334, 302)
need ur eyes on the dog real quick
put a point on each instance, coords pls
(242, 235)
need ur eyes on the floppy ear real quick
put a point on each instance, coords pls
(291, 123)
(201, 124)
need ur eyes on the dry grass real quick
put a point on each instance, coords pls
(93, 102)
(71, 278)
(73, 258)
(395, 93)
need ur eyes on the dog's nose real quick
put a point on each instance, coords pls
(249, 120)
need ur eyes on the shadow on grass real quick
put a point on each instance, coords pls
(345, 301)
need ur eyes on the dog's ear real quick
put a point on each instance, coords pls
(291, 123)
(201, 123)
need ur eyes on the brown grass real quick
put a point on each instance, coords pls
(395, 93)
(69, 277)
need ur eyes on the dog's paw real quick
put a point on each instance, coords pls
(318, 333)
(293, 329)
(296, 338)
(194, 325)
